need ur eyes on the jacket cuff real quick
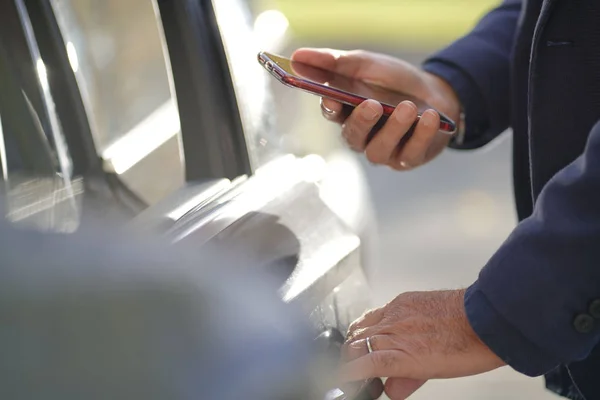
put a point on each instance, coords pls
(472, 102)
(481, 76)
(504, 339)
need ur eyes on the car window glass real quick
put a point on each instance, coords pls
(116, 49)
(250, 82)
(38, 188)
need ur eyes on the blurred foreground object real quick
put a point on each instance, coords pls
(88, 317)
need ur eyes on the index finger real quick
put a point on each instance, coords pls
(321, 58)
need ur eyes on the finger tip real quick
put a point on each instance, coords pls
(432, 113)
(371, 101)
(301, 52)
(430, 118)
(408, 103)
(322, 58)
(372, 104)
(406, 110)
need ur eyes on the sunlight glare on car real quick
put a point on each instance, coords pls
(72, 54)
(42, 73)
(270, 27)
(3, 162)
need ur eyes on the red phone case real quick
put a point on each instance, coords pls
(341, 96)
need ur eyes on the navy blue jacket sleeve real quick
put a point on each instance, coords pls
(545, 275)
(477, 66)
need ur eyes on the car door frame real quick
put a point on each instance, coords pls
(205, 93)
(212, 133)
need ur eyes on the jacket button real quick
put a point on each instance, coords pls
(583, 323)
(595, 309)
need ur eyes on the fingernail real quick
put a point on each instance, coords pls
(404, 164)
(427, 118)
(405, 111)
(370, 112)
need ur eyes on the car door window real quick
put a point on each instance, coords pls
(250, 80)
(117, 51)
(39, 191)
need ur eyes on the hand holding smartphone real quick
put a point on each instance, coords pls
(346, 90)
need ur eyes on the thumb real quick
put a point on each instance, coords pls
(320, 58)
(347, 63)
(375, 68)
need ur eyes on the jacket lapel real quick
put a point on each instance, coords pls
(547, 6)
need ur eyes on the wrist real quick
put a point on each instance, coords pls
(458, 303)
(456, 113)
(477, 344)
(444, 95)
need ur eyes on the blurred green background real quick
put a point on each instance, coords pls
(414, 24)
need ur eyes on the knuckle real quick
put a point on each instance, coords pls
(417, 347)
(360, 332)
(352, 335)
(354, 326)
(347, 351)
(352, 136)
(405, 301)
(371, 313)
(383, 360)
(359, 53)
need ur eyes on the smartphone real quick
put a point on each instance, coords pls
(343, 89)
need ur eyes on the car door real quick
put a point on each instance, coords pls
(143, 118)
